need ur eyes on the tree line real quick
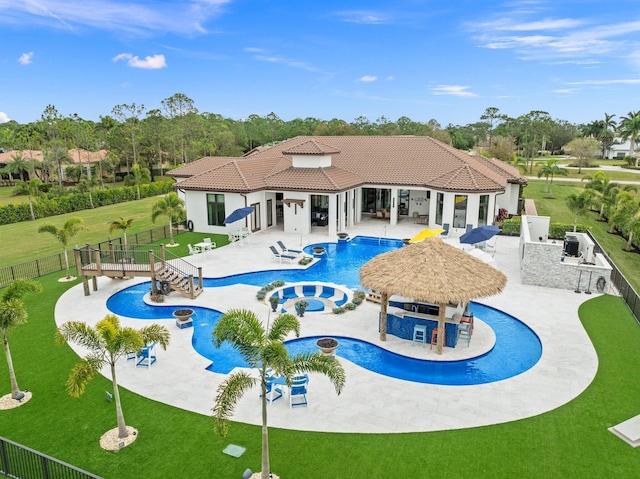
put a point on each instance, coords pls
(176, 133)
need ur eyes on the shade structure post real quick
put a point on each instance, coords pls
(384, 299)
(441, 326)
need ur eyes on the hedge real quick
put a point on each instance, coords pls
(511, 227)
(45, 207)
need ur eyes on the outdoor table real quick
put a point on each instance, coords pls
(204, 246)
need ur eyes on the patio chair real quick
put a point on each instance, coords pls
(445, 233)
(282, 256)
(212, 244)
(286, 250)
(298, 391)
(490, 245)
(146, 356)
(193, 249)
(469, 228)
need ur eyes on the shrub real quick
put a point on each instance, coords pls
(350, 306)
(338, 310)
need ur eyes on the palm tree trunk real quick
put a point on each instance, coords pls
(630, 241)
(66, 262)
(265, 436)
(33, 215)
(171, 232)
(122, 426)
(15, 390)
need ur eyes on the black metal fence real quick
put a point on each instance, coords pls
(56, 262)
(621, 283)
(21, 462)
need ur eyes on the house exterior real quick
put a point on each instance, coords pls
(619, 149)
(333, 182)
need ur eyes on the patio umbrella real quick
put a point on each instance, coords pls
(239, 214)
(428, 233)
(479, 234)
(431, 271)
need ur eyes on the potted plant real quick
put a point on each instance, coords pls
(301, 306)
(157, 297)
(274, 299)
(343, 235)
(328, 346)
(183, 314)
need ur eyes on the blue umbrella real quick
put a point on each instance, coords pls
(239, 214)
(479, 234)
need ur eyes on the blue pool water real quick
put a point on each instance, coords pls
(516, 350)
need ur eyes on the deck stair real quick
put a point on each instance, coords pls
(166, 270)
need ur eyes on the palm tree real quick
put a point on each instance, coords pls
(579, 205)
(12, 314)
(31, 189)
(633, 225)
(603, 188)
(106, 342)
(121, 224)
(629, 128)
(550, 169)
(70, 228)
(625, 207)
(263, 348)
(170, 206)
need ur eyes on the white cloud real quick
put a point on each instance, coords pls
(455, 90)
(566, 91)
(389, 78)
(133, 16)
(150, 62)
(368, 78)
(628, 81)
(25, 58)
(4, 118)
(368, 17)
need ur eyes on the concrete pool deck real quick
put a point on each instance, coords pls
(369, 403)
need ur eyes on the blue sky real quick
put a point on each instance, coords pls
(433, 59)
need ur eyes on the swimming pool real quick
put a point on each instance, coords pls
(516, 350)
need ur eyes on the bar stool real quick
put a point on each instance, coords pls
(464, 332)
(434, 337)
(467, 317)
(419, 334)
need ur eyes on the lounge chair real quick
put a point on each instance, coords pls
(298, 391)
(282, 256)
(286, 250)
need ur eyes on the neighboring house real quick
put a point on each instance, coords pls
(81, 157)
(619, 149)
(343, 178)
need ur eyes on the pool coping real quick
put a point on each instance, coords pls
(370, 402)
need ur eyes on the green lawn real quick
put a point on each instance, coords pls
(30, 244)
(570, 441)
(7, 198)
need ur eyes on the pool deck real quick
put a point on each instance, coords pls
(369, 403)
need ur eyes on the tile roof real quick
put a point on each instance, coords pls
(418, 161)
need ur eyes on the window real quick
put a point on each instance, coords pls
(215, 209)
(460, 212)
(439, 208)
(483, 210)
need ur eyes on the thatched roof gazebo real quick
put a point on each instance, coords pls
(430, 271)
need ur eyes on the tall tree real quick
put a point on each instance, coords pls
(629, 129)
(121, 224)
(493, 115)
(550, 169)
(70, 228)
(106, 343)
(129, 115)
(263, 348)
(583, 149)
(176, 108)
(31, 189)
(13, 313)
(579, 205)
(172, 207)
